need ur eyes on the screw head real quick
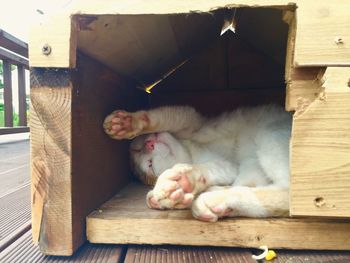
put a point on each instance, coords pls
(46, 49)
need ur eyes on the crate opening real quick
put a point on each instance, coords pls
(172, 59)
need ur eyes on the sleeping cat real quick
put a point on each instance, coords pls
(234, 165)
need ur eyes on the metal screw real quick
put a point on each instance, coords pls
(338, 40)
(46, 49)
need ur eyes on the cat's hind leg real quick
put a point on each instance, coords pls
(265, 201)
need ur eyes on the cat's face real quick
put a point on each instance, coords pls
(152, 154)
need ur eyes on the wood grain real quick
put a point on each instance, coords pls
(318, 27)
(100, 165)
(71, 156)
(51, 160)
(125, 219)
(320, 151)
(303, 85)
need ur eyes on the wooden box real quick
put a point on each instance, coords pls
(94, 57)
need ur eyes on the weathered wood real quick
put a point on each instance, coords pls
(303, 85)
(50, 125)
(14, 214)
(8, 108)
(100, 165)
(172, 254)
(320, 151)
(71, 154)
(23, 250)
(285, 256)
(22, 102)
(126, 219)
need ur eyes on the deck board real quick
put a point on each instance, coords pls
(14, 166)
(307, 256)
(23, 250)
(15, 214)
(177, 254)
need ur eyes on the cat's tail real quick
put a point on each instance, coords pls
(265, 201)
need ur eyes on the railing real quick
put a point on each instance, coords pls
(13, 52)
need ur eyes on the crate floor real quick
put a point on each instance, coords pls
(16, 243)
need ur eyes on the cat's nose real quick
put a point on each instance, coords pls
(149, 145)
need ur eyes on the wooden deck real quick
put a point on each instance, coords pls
(15, 229)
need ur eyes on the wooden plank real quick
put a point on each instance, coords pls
(159, 254)
(64, 39)
(125, 219)
(14, 215)
(288, 256)
(325, 22)
(22, 101)
(148, 46)
(50, 125)
(67, 112)
(23, 250)
(13, 58)
(8, 107)
(170, 7)
(97, 91)
(320, 151)
(318, 28)
(61, 43)
(12, 43)
(303, 85)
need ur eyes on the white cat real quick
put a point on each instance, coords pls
(234, 165)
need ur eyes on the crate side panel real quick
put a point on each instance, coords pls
(320, 151)
(100, 165)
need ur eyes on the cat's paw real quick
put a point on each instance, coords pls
(125, 125)
(176, 188)
(210, 206)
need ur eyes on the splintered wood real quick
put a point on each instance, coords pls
(320, 151)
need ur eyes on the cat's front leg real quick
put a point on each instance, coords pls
(126, 125)
(177, 187)
(237, 201)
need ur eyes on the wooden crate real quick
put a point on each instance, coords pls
(94, 57)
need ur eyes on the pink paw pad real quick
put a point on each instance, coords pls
(184, 182)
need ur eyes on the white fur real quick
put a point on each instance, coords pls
(247, 149)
